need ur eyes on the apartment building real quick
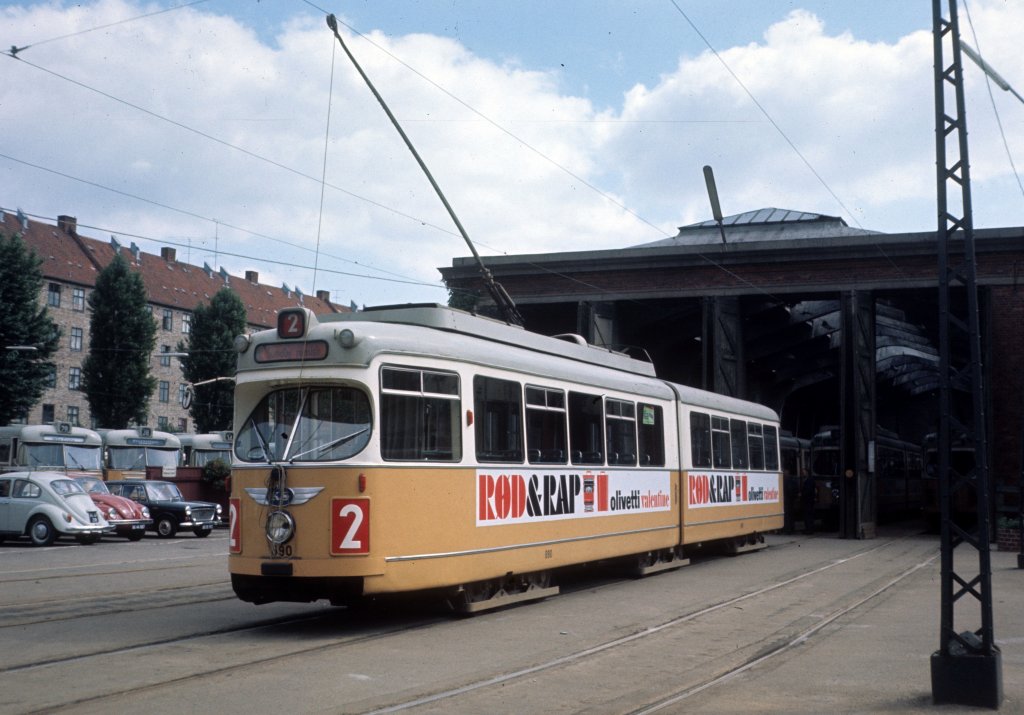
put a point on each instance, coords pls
(70, 264)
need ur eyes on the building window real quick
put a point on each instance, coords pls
(78, 299)
(186, 323)
(53, 295)
(73, 415)
(75, 378)
(76, 340)
(182, 424)
(182, 389)
(47, 414)
(165, 361)
(168, 323)
(161, 423)
(51, 378)
(165, 391)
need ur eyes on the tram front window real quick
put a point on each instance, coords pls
(319, 424)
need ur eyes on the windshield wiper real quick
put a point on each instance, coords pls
(329, 445)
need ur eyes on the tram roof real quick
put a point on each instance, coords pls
(468, 326)
(441, 317)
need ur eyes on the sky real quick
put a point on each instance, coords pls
(238, 131)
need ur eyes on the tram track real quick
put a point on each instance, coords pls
(737, 662)
(769, 645)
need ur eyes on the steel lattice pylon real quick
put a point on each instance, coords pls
(967, 668)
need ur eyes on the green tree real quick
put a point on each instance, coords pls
(115, 374)
(211, 355)
(23, 322)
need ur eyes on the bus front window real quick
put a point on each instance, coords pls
(85, 458)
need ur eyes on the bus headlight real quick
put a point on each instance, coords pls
(280, 527)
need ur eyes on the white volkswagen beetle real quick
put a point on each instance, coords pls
(45, 505)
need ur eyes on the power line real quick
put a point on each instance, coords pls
(246, 256)
(15, 50)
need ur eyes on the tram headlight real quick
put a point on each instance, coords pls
(242, 343)
(347, 338)
(280, 527)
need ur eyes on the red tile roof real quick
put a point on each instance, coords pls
(72, 258)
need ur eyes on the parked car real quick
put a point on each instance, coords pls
(129, 518)
(167, 507)
(46, 505)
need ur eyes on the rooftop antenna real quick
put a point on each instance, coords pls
(716, 209)
(500, 296)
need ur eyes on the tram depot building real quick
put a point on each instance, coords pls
(784, 311)
(70, 264)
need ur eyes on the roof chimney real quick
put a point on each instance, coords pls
(324, 295)
(136, 251)
(168, 254)
(67, 224)
(252, 276)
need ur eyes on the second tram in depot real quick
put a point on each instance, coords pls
(898, 467)
(423, 449)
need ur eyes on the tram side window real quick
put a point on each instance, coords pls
(620, 419)
(700, 439)
(755, 440)
(720, 450)
(651, 436)
(419, 414)
(545, 426)
(5, 452)
(771, 448)
(498, 409)
(586, 428)
(740, 459)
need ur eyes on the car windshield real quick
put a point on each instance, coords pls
(163, 492)
(318, 424)
(93, 485)
(65, 487)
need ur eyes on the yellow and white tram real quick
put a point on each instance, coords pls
(420, 448)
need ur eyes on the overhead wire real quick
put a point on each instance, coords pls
(180, 244)
(992, 100)
(192, 214)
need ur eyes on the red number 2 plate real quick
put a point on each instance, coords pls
(350, 526)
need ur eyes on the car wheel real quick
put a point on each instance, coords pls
(201, 533)
(87, 539)
(135, 536)
(41, 531)
(166, 528)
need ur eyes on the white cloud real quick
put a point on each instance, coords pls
(860, 112)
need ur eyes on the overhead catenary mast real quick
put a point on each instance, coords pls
(498, 293)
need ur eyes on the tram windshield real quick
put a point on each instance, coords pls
(315, 424)
(63, 455)
(202, 457)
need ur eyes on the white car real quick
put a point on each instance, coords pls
(46, 505)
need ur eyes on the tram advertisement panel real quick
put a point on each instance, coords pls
(531, 496)
(706, 489)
